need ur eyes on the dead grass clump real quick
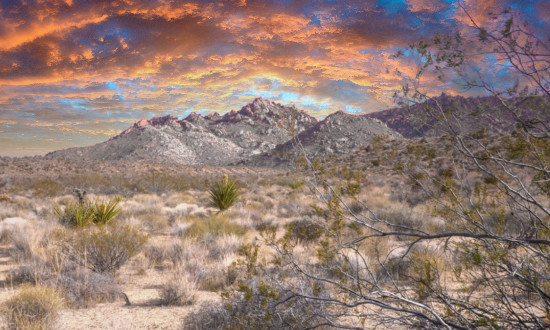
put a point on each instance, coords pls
(84, 288)
(48, 188)
(209, 315)
(179, 290)
(24, 238)
(80, 287)
(32, 308)
(155, 254)
(5, 199)
(216, 225)
(224, 245)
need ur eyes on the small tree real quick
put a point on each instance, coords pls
(493, 199)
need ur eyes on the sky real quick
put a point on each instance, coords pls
(76, 72)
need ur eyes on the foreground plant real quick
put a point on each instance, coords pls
(84, 213)
(481, 257)
(224, 193)
(32, 308)
(102, 249)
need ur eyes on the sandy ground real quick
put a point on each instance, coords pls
(141, 289)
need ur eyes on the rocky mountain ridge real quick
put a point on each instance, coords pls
(237, 137)
(464, 114)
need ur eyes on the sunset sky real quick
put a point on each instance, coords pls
(74, 73)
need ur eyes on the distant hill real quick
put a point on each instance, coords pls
(464, 114)
(213, 140)
(338, 133)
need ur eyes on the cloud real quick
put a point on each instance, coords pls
(103, 64)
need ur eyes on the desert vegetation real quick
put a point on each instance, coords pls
(444, 231)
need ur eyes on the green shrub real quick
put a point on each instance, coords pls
(216, 225)
(224, 193)
(32, 308)
(83, 213)
(295, 184)
(257, 304)
(103, 249)
(305, 230)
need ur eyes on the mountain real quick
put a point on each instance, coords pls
(214, 139)
(338, 133)
(465, 114)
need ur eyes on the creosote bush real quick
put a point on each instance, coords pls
(305, 230)
(103, 249)
(32, 308)
(80, 287)
(224, 193)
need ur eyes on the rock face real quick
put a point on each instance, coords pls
(338, 133)
(212, 140)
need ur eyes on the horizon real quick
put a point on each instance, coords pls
(74, 72)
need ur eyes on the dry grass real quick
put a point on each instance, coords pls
(32, 308)
(191, 252)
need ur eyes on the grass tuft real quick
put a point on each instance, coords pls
(216, 225)
(32, 308)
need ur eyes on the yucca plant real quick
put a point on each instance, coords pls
(75, 214)
(104, 212)
(224, 193)
(83, 213)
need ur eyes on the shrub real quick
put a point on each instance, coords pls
(80, 287)
(216, 225)
(224, 193)
(257, 305)
(179, 290)
(32, 308)
(305, 230)
(210, 315)
(103, 249)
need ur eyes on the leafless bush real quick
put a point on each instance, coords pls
(80, 287)
(210, 315)
(179, 290)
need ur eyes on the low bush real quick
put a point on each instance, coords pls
(257, 305)
(32, 308)
(209, 315)
(216, 225)
(80, 287)
(103, 249)
(179, 290)
(305, 230)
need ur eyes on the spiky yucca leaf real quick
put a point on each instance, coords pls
(224, 193)
(75, 214)
(105, 212)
